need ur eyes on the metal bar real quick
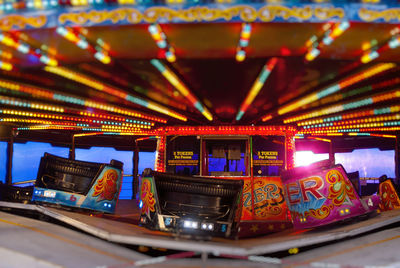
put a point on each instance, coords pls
(10, 152)
(72, 149)
(135, 179)
(397, 157)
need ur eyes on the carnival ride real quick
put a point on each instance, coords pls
(322, 194)
(218, 89)
(78, 184)
(196, 206)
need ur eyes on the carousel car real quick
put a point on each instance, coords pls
(389, 193)
(195, 206)
(79, 184)
(322, 194)
(14, 193)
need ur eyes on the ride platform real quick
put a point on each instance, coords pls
(122, 228)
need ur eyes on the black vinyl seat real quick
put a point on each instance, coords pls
(64, 174)
(201, 196)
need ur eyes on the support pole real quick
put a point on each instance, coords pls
(135, 177)
(72, 149)
(332, 152)
(397, 158)
(10, 152)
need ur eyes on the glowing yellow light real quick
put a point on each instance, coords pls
(171, 57)
(240, 56)
(6, 66)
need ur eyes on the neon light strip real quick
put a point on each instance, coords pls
(60, 123)
(243, 42)
(44, 127)
(372, 134)
(361, 124)
(325, 131)
(141, 124)
(319, 139)
(47, 94)
(38, 4)
(161, 40)
(255, 89)
(75, 125)
(329, 36)
(369, 56)
(232, 130)
(101, 53)
(30, 104)
(83, 79)
(316, 82)
(78, 39)
(60, 109)
(373, 54)
(346, 106)
(350, 134)
(174, 80)
(158, 96)
(24, 48)
(6, 66)
(47, 127)
(336, 87)
(362, 113)
(6, 55)
(362, 120)
(354, 92)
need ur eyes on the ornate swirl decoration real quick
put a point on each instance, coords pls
(391, 14)
(246, 13)
(324, 13)
(106, 187)
(339, 188)
(147, 198)
(266, 209)
(269, 13)
(389, 197)
(21, 22)
(320, 213)
(132, 15)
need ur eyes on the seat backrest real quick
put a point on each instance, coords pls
(204, 196)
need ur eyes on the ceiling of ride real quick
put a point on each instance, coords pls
(351, 84)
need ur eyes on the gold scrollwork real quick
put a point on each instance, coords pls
(94, 16)
(324, 13)
(244, 12)
(319, 214)
(269, 13)
(21, 22)
(372, 15)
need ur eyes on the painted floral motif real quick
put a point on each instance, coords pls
(389, 198)
(340, 190)
(320, 213)
(106, 187)
(147, 198)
